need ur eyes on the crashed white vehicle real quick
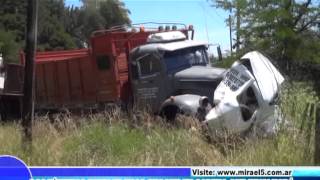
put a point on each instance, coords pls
(246, 97)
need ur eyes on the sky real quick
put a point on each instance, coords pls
(208, 22)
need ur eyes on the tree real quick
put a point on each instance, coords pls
(237, 10)
(12, 28)
(59, 27)
(8, 47)
(74, 25)
(114, 13)
(52, 33)
(285, 30)
(13, 18)
(96, 15)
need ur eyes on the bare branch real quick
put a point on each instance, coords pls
(302, 12)
(310, 22)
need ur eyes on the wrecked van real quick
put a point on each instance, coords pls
(246, 97)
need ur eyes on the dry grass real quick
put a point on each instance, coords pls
(110, 138)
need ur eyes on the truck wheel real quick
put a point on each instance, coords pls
(169, 113)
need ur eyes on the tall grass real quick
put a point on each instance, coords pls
(109, 138)
(294, 143)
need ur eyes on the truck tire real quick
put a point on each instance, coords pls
(170, 113)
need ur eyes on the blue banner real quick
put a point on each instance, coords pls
(12, 168)
(111, 172)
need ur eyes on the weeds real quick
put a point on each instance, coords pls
(110, 138)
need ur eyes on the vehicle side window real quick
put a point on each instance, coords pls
(149, 65)
(103, 62)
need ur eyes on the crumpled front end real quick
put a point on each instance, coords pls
(245, 97)
(227, 116)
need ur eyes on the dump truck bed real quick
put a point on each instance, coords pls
(86, 77)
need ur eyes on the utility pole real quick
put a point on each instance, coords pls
(238, 26)
(230, 31)
(29, 70)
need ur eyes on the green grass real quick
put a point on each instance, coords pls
(110, 139)
(226, 62)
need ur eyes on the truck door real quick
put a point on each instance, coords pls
(148, 82)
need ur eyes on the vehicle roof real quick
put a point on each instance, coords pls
(166, 37)
(266, 75)
(171, 46)
(180, 45)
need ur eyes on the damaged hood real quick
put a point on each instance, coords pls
(200, 73)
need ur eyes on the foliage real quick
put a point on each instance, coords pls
(286, 30)
(51, 32)
(59, 27)
(8, 47)
(12, 28)
(226, 62)
(95, 15)
(13, 18)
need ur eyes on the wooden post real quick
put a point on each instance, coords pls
(219, 53)
(310, 122)
(238, 26)
(317, 137)
(230, 32)
(304, 114)
(29, 74)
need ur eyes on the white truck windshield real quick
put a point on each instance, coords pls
(184, 58)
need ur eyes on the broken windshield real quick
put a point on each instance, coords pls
(184, 58)
(234, 78)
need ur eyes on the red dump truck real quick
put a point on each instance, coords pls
(120, 66)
